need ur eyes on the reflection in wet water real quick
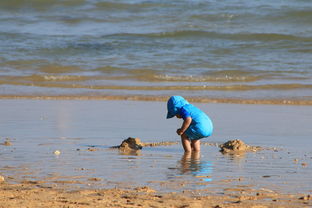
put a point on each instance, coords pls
(237, 158)
(191, 164)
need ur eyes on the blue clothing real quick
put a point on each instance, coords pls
(174, 104)
(201, 125)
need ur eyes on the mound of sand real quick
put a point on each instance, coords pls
(237, 146)
(130, 144)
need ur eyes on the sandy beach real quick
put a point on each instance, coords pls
(86, 172)
(80, 78)
(35, 195)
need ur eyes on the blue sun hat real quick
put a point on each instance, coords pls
(174, 104)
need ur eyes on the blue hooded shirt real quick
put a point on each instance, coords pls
(174, 104)
(201, 125)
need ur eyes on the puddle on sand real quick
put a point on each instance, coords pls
(163, 168)
(71, 127)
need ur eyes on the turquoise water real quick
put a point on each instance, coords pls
(218, 49)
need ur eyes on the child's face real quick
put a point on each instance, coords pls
(178, 116)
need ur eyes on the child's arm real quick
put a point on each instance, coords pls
(186, 123)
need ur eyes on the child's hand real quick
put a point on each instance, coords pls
(186, 123)
(179, 132)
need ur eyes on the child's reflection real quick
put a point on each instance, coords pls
(192, 164)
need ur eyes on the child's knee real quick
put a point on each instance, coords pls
(184, 136)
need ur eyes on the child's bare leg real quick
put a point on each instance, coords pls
(195, 145)
(195, 156)
(186, 143)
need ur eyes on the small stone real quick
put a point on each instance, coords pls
(94, 179)
(57, 152)
(306, 198)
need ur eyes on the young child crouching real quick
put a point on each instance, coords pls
(196, 124)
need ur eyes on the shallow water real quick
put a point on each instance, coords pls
(217, 49)
(39, 127)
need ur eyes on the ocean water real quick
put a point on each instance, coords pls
(236, 49)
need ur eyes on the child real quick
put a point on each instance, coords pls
(196, 124)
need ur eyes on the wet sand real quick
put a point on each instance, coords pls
(86, 172)
(38, 195)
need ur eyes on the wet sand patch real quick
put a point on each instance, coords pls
(36, 195)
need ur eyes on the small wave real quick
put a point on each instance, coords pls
(39, 79)
(37, 82)
(62, 78)
(91, 46)
(40, 65)
(128, 6)
(39, 5)
(214, 35)
(150, 75)
(222, 76)
(225, 78)
(53, 68)
(173, 34)
(302, 16)
(270, 37)
(214, 17)
(194, 99)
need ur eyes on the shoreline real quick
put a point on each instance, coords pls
(161, 99)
